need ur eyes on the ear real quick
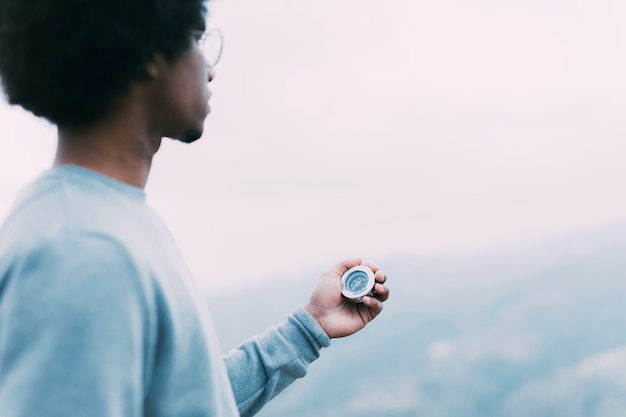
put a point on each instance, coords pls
(152, 68)
(154, 65)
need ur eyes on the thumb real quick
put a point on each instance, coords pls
(345, 265)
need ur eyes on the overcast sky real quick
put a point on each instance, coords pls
(370, 128)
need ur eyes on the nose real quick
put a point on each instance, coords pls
(211, 73)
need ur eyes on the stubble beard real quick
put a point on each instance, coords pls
(191, 136)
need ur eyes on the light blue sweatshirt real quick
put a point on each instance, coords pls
(99, 315)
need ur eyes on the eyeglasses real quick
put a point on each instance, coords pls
(211, 44)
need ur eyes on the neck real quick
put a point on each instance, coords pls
(117, 147)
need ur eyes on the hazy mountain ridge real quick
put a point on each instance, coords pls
(526, 331)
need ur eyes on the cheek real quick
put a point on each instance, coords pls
(187, 90)
(203, 80)
(197, 82)
(202, 91)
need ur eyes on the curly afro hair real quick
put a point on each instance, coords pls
(67, 60)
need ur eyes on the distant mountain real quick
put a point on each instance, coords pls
(529, 330)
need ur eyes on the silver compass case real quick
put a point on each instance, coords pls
(357, 282)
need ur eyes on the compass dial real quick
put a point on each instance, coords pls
(357, 282)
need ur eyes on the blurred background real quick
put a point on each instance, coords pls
(475, 150)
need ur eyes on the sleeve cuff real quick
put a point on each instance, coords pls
(311, 326)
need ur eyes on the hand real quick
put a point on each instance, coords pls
(335, 314)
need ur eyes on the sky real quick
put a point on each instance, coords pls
(343, 128)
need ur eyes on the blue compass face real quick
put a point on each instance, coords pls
(356, 281)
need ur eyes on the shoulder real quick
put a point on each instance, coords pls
(64, 207)
(78, 252)
(80, 271)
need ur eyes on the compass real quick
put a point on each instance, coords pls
(357, 282)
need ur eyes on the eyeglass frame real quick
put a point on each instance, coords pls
(201, 38)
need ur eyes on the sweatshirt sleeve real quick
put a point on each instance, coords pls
(72, 332)
(262, 367)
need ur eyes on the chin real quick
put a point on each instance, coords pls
(191, 136)
(188, 132)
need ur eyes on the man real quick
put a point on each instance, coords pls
(98, 313)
